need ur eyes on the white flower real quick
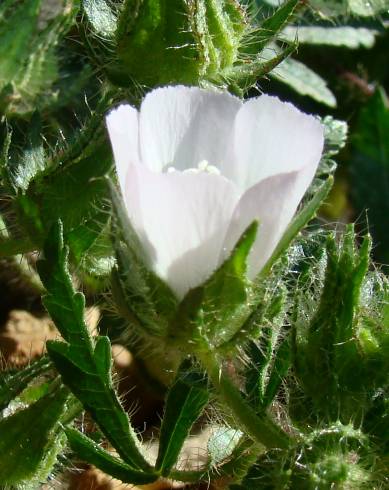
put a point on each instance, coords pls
(196, 167)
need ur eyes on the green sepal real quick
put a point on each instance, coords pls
(184, 404)
(271, 27)
(215, 311)
(328, 358)
(85, 366)
(92, 453)
(269, 356)
(28, 436)
(242, 76)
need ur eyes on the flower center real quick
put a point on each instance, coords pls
(202, 167)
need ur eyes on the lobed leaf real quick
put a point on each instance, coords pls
(91, 452)
(85, 366)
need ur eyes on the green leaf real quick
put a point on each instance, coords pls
(74, 192)
(27, 436)
(347, 36)
(32, 160)
(369, 170)
(34, 82)
(65, 306)
(85, 367)
(302, 79)
(185, 402)
(13, 384)
(28, 63)
(91, 452)
(335, 135)
(307, 212)
(269, 357)
(368, 8)
(15, 43)
(280, 368)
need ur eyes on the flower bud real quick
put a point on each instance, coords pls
(180, 41)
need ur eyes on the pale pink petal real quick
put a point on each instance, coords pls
(181, 219)
(182, 126)
(123, 129)
(273, 137)
(272, 202)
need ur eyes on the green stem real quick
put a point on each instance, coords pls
(75, 408)
(188, 476)
(259, 426)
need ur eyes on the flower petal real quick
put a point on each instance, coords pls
(181, 126)
(272, 202)
(123, 129)
(181, 220)
(273, 137)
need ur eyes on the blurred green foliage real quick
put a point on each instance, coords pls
(314, 341)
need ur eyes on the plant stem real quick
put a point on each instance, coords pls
(259, 426)
(188, 476)
(75, 408)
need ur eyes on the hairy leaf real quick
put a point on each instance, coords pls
(348, 36)
(303, 80)
(13, 384)
(91, 452)
(185, 402)
(28, 435)
(85, 365)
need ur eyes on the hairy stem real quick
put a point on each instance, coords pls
(259, 426)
